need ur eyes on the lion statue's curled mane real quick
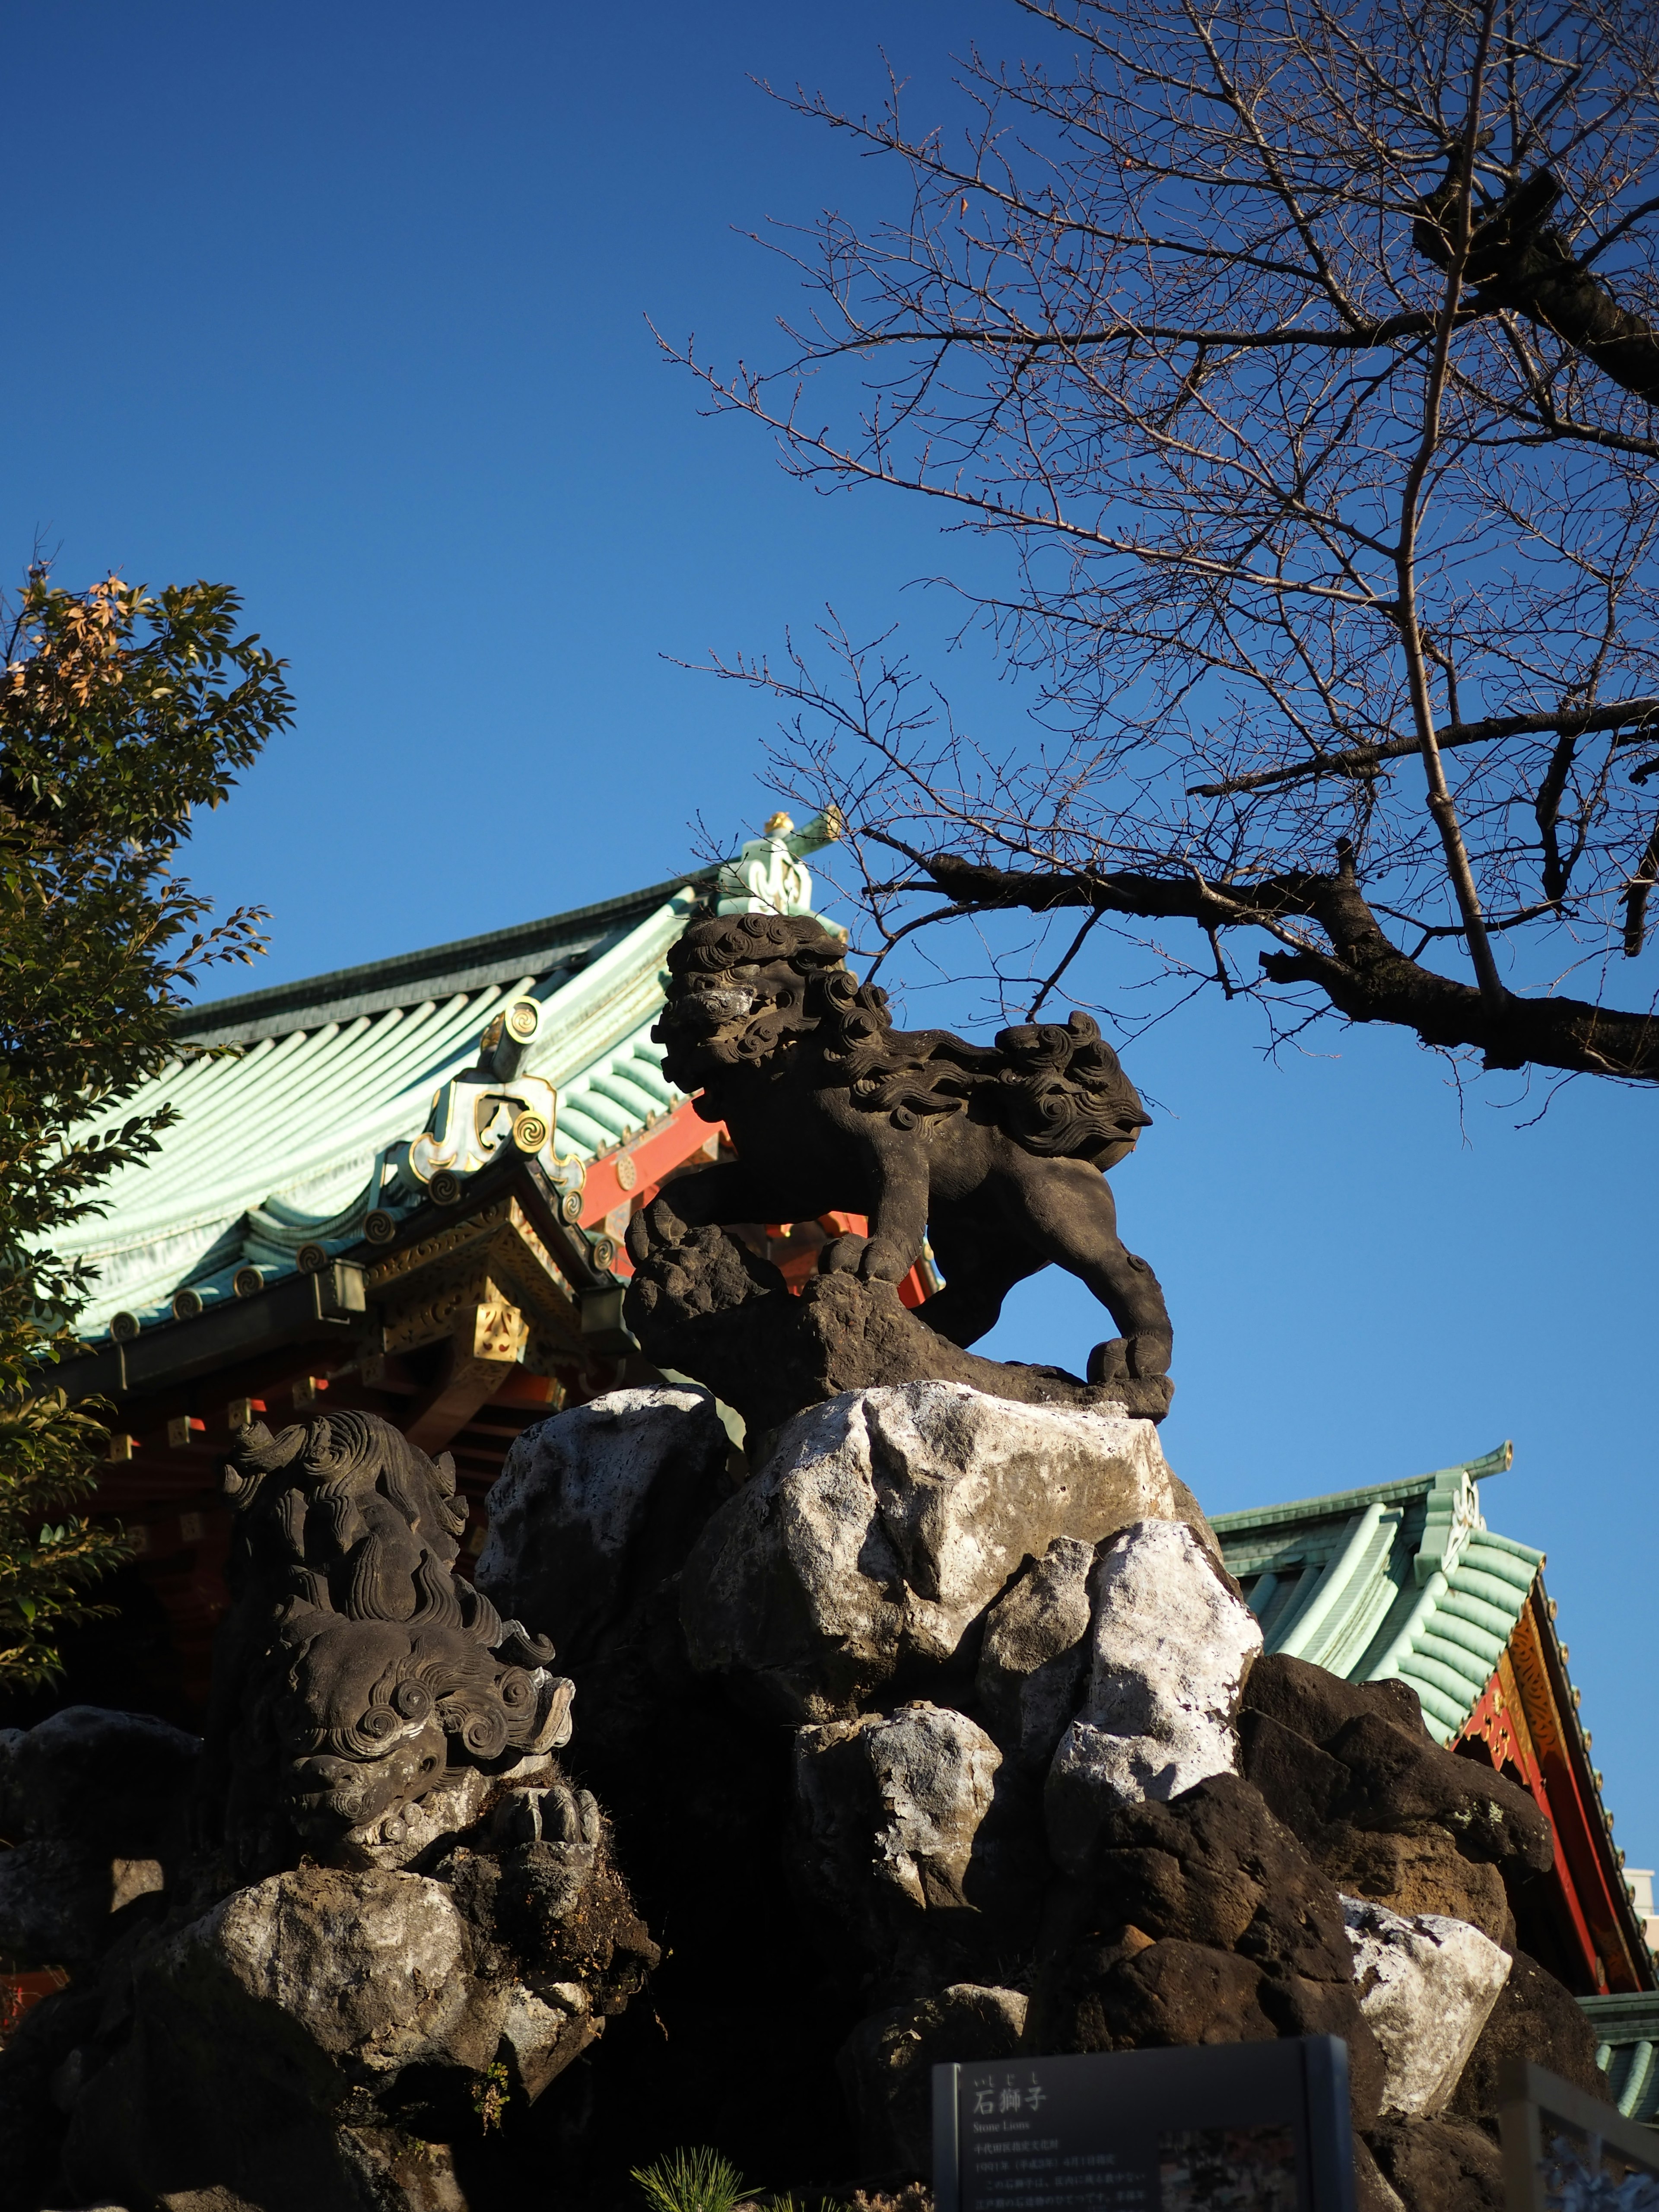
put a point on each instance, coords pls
(1055, 1088)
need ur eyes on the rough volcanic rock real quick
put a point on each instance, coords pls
(96, 1803)
(1426, 1986)
(56, 1904)
(885, 1523)
(38, 2053)
(1215, 1867)
(886, 2067)
(114, 1784)
(1170, 1642)
(359, 1975)
(1121, 1991)
(1439, 2166)
(1421, 1869)
(596, 1502)
(1372, 2193)
(1380, 1770)
(1035, 1652)
(704, 1305)
(254, 2028)
(908, 1840)
(1534, 2017)
(1207, 1901)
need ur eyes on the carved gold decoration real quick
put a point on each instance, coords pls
(493, 1257)
(500, 1333)
(443, 1241)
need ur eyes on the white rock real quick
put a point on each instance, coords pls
(131, 1878)
(572, 1500)
(896, 1801)
(371, 1970)
(1426, 1984)
(936, 1770)
(543, 2038)
(1170, 1647)
(887, 1520)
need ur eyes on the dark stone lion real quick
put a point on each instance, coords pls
(357, 1670)
(996, 1154)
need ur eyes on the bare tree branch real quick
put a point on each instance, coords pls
(1294, 365)
(1636, 715)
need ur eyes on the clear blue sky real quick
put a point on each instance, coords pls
(347, 305)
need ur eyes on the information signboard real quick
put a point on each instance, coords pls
(1233, 2127)
(1566, 2152)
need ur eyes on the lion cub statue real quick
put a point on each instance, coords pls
(997, 1155)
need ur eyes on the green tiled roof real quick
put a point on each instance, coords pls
(1401, 1579)
(1627, 2029)
(279, 1143)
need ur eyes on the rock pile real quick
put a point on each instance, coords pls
(305, 1955)
(1042, 1792)
(941, 1732)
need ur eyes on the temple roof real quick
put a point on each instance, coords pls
(1627, 2034)
(284, 1130)
(1400, 1579)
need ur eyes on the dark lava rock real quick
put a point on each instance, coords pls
(705, 1306)
(114, 1784)
(1534, 2018)
(1439, 2166)
(1214, 1866)
(1380, 1767)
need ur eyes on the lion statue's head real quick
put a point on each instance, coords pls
(370, 1715)
(745, 988)
(742, 987)
(374, 1667)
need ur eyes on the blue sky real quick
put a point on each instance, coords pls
(348, 306)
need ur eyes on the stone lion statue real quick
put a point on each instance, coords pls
(997, 1154)
(358, 1671)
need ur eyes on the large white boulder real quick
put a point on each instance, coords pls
(1171, 1643)
(569, 1512)
(1426, 1985)
(894, 1800)
(886, 1521)
(372, 1971)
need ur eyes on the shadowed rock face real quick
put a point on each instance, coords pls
(1019, 1780)
(942, 1600)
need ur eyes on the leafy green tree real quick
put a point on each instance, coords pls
(120, 713)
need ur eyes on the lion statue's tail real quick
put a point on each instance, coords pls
(1063, 1094)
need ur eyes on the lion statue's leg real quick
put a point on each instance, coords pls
(1063, 1209)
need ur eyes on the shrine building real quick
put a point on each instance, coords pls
(403, 1186)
